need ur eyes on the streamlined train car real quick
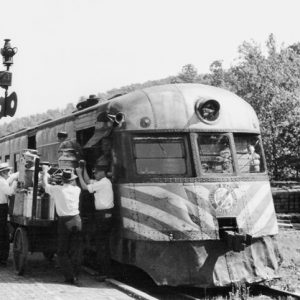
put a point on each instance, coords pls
(193, 195)
(193, 203)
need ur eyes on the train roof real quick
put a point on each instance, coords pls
(170, 107)
(177, 106)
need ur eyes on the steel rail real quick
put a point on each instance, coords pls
(276, 291)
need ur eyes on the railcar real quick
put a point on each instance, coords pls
(193, 203)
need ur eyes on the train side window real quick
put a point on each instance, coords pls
(16, 161)
(31, 142)
(160, 156)
(7, 159)
(215, 153)
(249, 153)
(83, 136)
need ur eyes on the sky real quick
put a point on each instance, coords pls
(73, 48)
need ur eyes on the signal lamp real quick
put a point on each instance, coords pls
(8, 104)
(7, 53)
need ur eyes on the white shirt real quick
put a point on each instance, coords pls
(6, 189)
(66, 198)
(104, 197)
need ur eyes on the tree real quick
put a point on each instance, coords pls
(188, 74)
(32, 120)
(217, 77)
(271, 84)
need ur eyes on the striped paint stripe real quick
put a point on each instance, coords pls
(253, 203)
(263, 220)
(159, 192)
(261, 217)
(154, 223)
(165, 203)
(202, 195)
(243, 217)
(271, 226)
(259, 212)
(187, 208)
(188, 196)
(204, 231)
(142, 228)
(180, 202)
(158, 214)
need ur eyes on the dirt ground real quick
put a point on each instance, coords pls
(289, 247)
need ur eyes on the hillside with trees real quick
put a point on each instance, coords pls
(269, 79)
(32, 120)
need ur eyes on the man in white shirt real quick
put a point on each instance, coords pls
(8, 184)
(66, 198)
(101, 187)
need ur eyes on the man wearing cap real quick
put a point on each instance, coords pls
(101, 187)
(8, 184)
(66, 198)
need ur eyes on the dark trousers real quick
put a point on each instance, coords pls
(4, 235)
(103, 222)
(69, 245)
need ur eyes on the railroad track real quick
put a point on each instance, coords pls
(249, 293)
(147, 290)
(167, 293)
(275, 292)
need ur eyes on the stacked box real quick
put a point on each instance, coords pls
(45, 207)
(27, 211)
(19, 204)
(286, 200)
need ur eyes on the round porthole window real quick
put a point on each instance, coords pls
(208, 111)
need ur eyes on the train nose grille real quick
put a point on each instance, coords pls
(229, 232)
(225, 225)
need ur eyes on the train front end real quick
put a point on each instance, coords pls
(193, 198)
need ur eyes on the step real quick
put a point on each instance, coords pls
(284, 221)
(284, 225)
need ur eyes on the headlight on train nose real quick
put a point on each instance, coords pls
(207, 111)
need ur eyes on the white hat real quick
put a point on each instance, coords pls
(4, 166)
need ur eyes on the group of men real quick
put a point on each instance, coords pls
(66, 197)
(69, 228)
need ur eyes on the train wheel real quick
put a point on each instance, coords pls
(20, 250)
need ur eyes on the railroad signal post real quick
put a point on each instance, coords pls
(8, 104)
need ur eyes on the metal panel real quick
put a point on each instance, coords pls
(5, 149)
(201, 263)
(47, 142)
(48, 135)
(173, 107)
(85, 120)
